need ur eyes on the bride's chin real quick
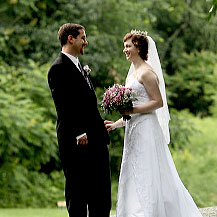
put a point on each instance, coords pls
(128, 58)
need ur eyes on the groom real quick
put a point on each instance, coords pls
(81, 133)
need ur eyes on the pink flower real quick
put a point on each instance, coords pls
(117, 98)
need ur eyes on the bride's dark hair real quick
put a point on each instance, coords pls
(140, 42)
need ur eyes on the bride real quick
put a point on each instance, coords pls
(149, 185)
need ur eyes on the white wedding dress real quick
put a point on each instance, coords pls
(149, 185)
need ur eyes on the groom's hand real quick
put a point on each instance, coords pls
(83, 140)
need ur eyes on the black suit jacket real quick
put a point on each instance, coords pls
(76, 107)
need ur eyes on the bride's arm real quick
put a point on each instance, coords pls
(110, 125)
(150, 82)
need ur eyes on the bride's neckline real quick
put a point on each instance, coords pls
(134, 79)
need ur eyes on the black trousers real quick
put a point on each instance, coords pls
(88, 183)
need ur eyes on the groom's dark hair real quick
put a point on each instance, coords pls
(68, 29)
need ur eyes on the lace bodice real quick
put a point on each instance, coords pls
(141, 94)
(141, 97)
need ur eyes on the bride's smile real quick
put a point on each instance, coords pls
(130, 50)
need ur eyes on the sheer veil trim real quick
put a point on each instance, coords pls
(162, 113)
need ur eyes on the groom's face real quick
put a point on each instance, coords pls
(80, 42)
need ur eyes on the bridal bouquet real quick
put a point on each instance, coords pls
(117, 98)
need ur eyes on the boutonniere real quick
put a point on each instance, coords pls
(87, 69)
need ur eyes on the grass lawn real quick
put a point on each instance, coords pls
(33, 212)
(52, 212)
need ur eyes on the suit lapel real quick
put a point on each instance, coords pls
(67, 61)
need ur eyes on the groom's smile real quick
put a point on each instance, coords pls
(81, 42)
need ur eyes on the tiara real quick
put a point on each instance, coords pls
(139, 32)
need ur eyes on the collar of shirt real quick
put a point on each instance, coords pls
(73, 59)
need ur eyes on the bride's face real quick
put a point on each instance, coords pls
(130, 50)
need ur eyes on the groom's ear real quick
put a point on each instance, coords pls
(71, 39)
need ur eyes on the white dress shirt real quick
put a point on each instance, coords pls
(75, 61)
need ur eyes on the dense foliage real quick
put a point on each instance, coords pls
(186, 41)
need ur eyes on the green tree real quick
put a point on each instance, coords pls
(193, 85)
(27, 136)
(185, 32)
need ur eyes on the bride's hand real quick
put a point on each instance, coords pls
(109, 125)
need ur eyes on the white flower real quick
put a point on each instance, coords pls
(87, 69)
